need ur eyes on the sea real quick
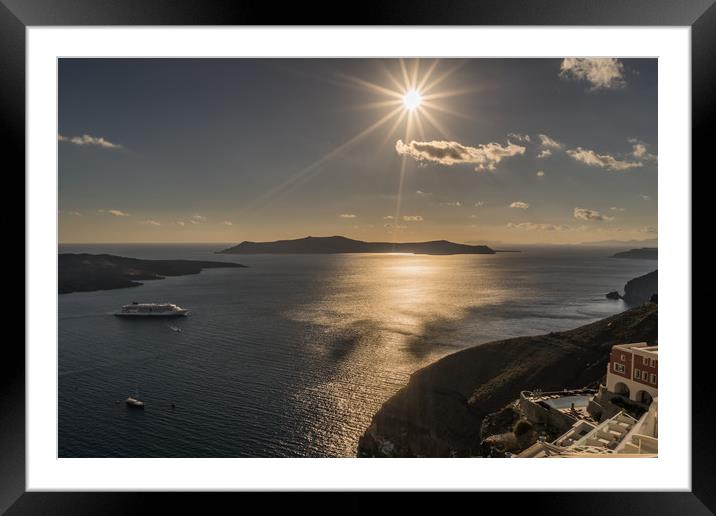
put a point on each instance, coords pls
(293, 355)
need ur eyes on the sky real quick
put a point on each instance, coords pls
(533, 151)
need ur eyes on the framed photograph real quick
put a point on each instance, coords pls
(261, 257)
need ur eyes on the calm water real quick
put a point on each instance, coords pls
(292, 356)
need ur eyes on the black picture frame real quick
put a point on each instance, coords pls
(17, 15)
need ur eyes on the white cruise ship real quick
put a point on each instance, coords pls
(152, 310)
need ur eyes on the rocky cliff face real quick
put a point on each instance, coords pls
(641, 289)
(440, 412)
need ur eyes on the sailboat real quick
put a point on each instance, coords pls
(134, 401)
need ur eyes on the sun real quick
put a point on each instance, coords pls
(412, 99)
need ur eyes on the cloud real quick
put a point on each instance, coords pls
(586, 214)
(640, 150)
(520, 137)
(592, 159)
(520, 205)
(181, 223)
(452, 204)
(540, 173)
(388, 217)
(347, 216)
(394, 226)
(449, 153)
(546, 153)
(420, 193)
(604, 73)
(614, 208)
(197, 219)
(529, 226)
(227, 223)
(86, 139)
(150, 222)
(479, 204)
(549, 143)
(648, 229)
(645, 197)
(118, 213)
(412, 218)
(73, 213)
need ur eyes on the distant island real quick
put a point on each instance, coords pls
(339, 245)
(644, 253)
(89, 272)
(440, 412)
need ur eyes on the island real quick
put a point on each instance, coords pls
(440, 412)
(90, 272)
(644, 253)
(340, 244)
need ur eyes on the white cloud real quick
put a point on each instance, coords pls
(394, 226)
(73, 213)
(347, 216)
(615, 208)
(388, 217)
(592, 159)
(227, 223)
(530, 226)
(540, 173)
(181, 223)
(520, 205)
(640, 150)
(546, 153)
(645, 197)
(520, 137)
(150, 222)
(603, 73)
(412, 218)
(479, 204)
(86, 139)
(197, 219)
(586, 214)
(549, 143)
(452, 204)
(648, 229)
(449, 153)
(118, 213)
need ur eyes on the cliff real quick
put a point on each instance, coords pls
(339, 244)
(88, 272)
(440, 411)
(639, 290)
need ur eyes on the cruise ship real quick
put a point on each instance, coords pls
(152, 310)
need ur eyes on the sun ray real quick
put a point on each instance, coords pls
(428, 74)
(419, 125)
(406, 77)
(443, 109)
(315, 167)
(395, 82)
(444, 76)
(437, 125)
(393, 128)
(372, 86)
(414, 81)
(450, 93)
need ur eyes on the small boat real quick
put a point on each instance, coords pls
(175, 328)
(151, 310)
(134, 402)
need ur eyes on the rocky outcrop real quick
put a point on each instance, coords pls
(440, 412)
(642, 289)
(89, 272)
